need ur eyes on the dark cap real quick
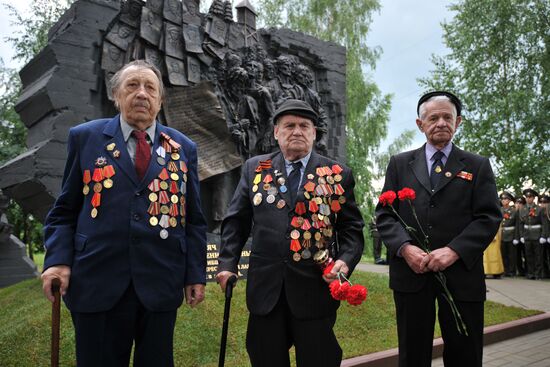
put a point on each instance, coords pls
(295, 107)
(530, 192)
(544, 199)
(521, 200)
(507, 195)
(454, 99)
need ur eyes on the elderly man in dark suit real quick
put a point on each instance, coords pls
(298, 206)
(126, 236)
(457, 207)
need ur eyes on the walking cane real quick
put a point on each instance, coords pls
(228, 294)
(56, 318)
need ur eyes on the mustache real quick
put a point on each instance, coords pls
(141, 104)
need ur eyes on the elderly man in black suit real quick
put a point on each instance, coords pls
(299, 206)
(457, 207)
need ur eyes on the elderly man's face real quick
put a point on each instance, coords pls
(295, 136)
(438, 122)
(138, 96)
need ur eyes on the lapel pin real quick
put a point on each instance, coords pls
(448, 174)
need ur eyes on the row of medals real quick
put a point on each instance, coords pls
(102, 178)
(319, 199)
(167, 191)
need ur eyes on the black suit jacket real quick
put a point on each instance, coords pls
(271, 263)
(462, 213)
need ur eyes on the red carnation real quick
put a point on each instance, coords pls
(387, 197)
(339, 291)
(328, 269)
(406, 194)
(356, 295)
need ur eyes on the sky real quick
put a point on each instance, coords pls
(408, 32)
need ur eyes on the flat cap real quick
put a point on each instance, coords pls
(454, 99)
(530, 192)
(507, 195)
(295, 107)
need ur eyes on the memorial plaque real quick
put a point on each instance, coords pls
(215, 50)
(151, 26)
(131, 10)
(121, 35)
(155, 58)
(217, 30)
(176, 71)
(236, 36)
(191, 14)
(172, 11)
(192, 38)
(193, 70)
(196, 111)
(205, 59)
(173, 41)
(155, 6)
(213, 242)
(112, 57)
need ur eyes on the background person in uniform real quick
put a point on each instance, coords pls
(520, 247)
(376, 243)
(544, 204)
(508, 231)
(126, 235)
(459, 212)
(297, 204)
(530, 230)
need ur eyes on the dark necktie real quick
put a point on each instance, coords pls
(294, 180)
(143, 153)
(437, 168)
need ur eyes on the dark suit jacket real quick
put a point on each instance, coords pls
(271, 264)
(462, 213)
(120, 245)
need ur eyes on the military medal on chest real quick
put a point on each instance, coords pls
(96, 180)
(167, 190)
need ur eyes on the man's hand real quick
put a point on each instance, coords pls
(415, 257)
(442, 258)
(339, 266)
(61, 272)
(222, 277)
(194, 294)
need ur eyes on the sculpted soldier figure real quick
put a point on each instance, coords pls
(297, 205)
(126, 236)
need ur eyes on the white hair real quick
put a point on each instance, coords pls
(422, 108)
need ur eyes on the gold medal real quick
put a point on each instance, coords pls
(153, 221)
(330, 180)
(175, 156)
(86, 190)
(164, 209)
(307, 195)
(174, 199)
(317, 236)
(94, 212)
(98, 187)
(321, 256)
(173, 221)
(164, 185)
(153, 197)
(111, 146)
(281, 204)
(257, 200)
(295, 234)
(338, 178)
(322, 181)
(437, 169)
(255, 188)
(266, 186)
(174, 176)
(108, 183)
(296, 257)
(307, 235)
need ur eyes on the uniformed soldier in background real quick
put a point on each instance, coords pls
(376, 243)
(545, 206)
(531, 234)
(508, 228)
(520, 247)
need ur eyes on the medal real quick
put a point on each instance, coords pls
(153, 221)
(173, 221)
(163, 175)
(338, 178)
(163, 234)
(295, 234)
(98, 187)
(164, 209)
(164, 185)
(257, 200)
(175, 156)
(108, 183)
(110, 147)
(94, 213)
(281, 204)
(86, 178)
(437, 169)
(296, 257)
(310, 176)
(174, 199)
(161, 161)
(163, 197)
(174, 176)
(270, 199)
(255, 188)
(306, 254)
(283, 189)
(330, 180)
(116, 153)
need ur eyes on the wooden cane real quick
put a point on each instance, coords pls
(225, 327)
(56, 319)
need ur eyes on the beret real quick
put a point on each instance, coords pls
(454, 99)
(295, 107)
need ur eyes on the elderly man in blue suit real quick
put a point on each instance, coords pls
(126, 236)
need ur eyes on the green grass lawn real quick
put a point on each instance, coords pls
(25, 320)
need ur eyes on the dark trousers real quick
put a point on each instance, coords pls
(415, 328)
(521, 259)
(509, 253)
(105, 338)
(269, 338)
(533, 255)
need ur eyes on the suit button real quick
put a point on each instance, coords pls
(138, 193)
(430, 226)
(432, 205)
(137, 217)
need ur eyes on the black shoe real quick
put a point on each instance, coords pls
(380, 262)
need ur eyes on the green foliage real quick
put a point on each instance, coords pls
(26, 228)
(25, 317)
(12, 130)
(500, 66)
(346, 23)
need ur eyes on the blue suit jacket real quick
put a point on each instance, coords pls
(119, 245)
